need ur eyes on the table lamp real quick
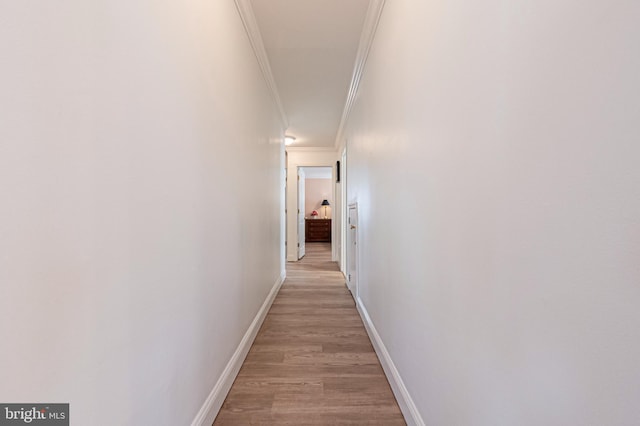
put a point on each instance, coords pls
(325, 203)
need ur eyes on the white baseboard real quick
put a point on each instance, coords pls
(407, 406)
(212, 404)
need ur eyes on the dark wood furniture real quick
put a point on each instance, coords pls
(318, 230)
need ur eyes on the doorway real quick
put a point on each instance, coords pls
(315, 202)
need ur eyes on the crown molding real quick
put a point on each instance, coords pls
(366, 40)
(253, 31)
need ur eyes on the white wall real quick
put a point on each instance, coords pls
(317, 190)
(494, 151)
(305, 157)
(135, 138)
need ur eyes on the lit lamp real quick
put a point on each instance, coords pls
(325, 203)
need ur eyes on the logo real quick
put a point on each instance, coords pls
(34, 414)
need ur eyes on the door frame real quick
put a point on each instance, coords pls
(300, 221)
(352, 275)
(307, 157)
(344, 214)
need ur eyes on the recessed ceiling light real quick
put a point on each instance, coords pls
(288, 140)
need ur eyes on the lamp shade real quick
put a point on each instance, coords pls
(325, 203)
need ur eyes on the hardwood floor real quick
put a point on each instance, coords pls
(312, 362)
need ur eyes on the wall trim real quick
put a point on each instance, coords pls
(407, 406)
(213, 403)
(366, 40)
(253, 31)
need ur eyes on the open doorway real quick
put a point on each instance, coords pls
(315, 201)
(314, 165)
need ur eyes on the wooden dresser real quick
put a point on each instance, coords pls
(318, 230)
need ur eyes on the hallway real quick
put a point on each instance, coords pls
(483, 193)
(312, 361)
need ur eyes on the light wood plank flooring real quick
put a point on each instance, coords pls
(312, 362)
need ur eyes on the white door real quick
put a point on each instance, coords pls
(301, 213)
(285, 225)
(352, 250)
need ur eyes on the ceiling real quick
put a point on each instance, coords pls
(311, 46)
